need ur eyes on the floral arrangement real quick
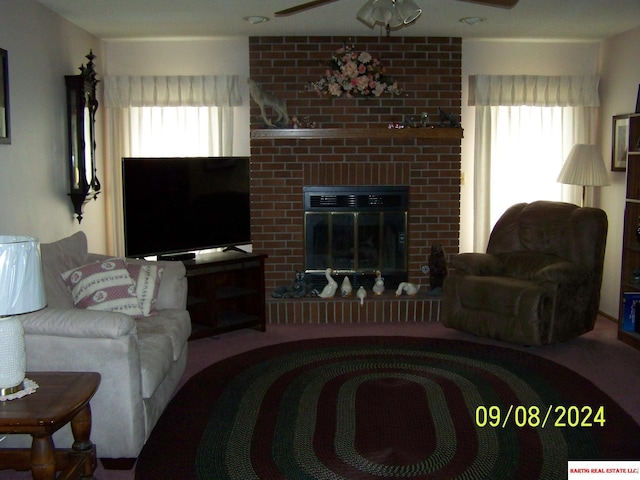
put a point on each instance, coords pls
(352, 73)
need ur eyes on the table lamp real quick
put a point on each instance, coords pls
(21, 291)
(584, 166)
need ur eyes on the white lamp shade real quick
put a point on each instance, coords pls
(21, 279)
(584, 166)
(21, 291)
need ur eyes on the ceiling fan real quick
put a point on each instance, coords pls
(318, 3)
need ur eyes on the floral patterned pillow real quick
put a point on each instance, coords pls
(146, 279)
(105, 286)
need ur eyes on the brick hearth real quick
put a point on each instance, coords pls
(429, 71)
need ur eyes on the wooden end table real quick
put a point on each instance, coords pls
(61, 397)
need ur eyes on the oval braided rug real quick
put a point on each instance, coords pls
(383, 408)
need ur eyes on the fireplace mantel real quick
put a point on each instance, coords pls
(436, 134)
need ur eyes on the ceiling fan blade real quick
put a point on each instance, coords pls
(494, 3)
(300, 8)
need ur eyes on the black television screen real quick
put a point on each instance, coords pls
(175, 205)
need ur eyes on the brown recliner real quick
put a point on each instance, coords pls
(539, 281)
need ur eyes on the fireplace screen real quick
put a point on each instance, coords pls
(356, 231)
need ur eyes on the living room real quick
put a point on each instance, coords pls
(43, 47)
(40, 207)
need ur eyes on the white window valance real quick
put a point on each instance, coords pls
(172, 91)
(534, 90)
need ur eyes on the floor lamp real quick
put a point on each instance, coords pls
(21, 291)
(584, 166)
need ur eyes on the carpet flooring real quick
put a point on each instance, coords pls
(381, 408)
(598, 356)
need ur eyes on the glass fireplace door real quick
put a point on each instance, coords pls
(352, 242)
(356, 230)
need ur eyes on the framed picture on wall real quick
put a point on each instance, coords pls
(5, 125)
(620, 143)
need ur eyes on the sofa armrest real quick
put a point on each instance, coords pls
(78, 323)
(89, 341)
(483, 264)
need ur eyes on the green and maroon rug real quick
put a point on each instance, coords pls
(385, 408)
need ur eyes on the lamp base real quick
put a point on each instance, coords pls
(11, 390)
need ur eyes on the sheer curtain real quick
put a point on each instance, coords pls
(163, 116)
(525, 128)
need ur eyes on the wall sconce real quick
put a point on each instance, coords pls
(81, 112)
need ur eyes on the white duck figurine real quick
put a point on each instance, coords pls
(361, 294)
(408, 288)
(378, 286)
(346, 288)
(330, 288)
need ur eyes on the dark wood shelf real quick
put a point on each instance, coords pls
(630, 338)
(630, 245)
(226, 292)
(433, 133)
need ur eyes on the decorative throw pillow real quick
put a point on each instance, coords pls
(146, 279)
(104, 285)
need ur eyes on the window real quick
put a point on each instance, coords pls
(525, 126)
(176, 131)
(529, 146)
(170, 116)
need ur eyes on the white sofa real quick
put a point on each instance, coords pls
(141, 359)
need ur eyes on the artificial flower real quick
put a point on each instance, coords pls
(352, 73)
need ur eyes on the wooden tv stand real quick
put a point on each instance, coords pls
(226, 292)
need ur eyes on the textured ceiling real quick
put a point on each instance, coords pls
(529, 19)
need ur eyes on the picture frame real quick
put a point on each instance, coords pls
(620, 143)
(5, 124)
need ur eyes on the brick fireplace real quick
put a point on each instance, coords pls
(353, 146)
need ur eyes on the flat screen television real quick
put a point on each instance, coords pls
(181, 205)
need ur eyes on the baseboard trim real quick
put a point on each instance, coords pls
(607, 316)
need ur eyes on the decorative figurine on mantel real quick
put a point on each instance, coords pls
(448, 119)
(265, 99)
(346, 289)
(330, 288)
(378, 286)
(361, 294)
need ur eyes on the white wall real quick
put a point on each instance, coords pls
(620, 76)
(42, 48)
(210, 56)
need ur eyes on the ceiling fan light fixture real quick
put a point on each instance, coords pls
(408, 10)
(390, 13)
(383, 11)
(365, 14)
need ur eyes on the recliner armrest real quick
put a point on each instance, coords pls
(562, 272)
(483, 264)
